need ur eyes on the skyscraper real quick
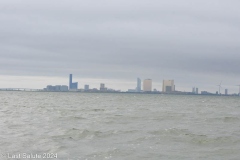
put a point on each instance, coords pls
(138, 89)
(226, 91)
(70, 81)
(86, 87)
(73, 86)
(193, 90)
(102, 87)
(168, 86)
(147, 85)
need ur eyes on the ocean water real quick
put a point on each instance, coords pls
(117, 126)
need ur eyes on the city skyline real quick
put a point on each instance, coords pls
(113, 84)
(169, 86)
(123, 79)
(195, 43)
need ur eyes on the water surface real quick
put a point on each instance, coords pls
(120, 126)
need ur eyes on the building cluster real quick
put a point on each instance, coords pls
(168, 87)
(73, 86)
(195, 90)
(57, 88)
(146, 87)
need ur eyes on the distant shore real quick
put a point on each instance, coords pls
(158, 92)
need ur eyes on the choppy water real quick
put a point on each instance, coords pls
(119, 126)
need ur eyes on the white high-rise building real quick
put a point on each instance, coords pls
(138, 89)
(226, 91)
(147, 85)
(193, 90)
(168, 86)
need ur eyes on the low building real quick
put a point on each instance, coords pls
(206, 93)
(86, 87)
(57, 88)
(132, 90)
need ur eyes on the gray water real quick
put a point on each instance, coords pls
(119, 126)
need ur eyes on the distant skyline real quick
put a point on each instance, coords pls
(196, 43)
(36, 82)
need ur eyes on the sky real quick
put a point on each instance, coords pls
(194, 42)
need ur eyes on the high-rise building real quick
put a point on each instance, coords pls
(86, 87)
(226, 91)
(147, 85)
(50, 88)
(138, 89)
(72, 86)
(168, 86)
(102, 87)
(196, 91)
(70, 81)
(58, 87)
(193, 90)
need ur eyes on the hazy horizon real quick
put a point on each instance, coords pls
(195, 43)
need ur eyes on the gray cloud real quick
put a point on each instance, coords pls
(184, 40)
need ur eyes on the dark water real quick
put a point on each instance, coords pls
(119, 126)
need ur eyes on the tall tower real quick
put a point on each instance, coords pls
(71, 84)
(147, 85)
(138, 85)
(70, 81)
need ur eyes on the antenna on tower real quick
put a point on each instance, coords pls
(219, 89)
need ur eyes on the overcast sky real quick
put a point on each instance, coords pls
(194, 42)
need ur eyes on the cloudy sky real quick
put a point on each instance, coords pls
(194, 42)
